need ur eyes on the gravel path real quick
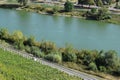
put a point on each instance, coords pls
(69, 71)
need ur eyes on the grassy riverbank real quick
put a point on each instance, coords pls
(14, 67)
(100, 63)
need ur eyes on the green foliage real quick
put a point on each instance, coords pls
(19, 45)
(68, 6)
(81, 2)
(69, 54)
(88, 56)
(36, 52)
(1, 76)
(55, 9)
(101, 14)
(93, 10)
(30, 41)
(17, 36)
(111, 59)
(99, 3)
(90, 2)
(4, 34)
(54, 56)
(107, 61)
(15, 67)
(18, 39)
(23, 2)
(117, 3)
(102, 69)
(47, 47)
(28, 49)
(92, 66)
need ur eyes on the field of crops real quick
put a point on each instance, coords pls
(15, 67)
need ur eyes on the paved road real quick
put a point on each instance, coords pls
(53, 65)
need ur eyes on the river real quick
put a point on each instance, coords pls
(82, 34)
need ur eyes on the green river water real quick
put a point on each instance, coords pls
(82, 34)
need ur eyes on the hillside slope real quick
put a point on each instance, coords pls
(15, 67)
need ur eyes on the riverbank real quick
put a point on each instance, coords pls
(56, 10)
(90, 61)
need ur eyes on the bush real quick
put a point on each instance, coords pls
(4, 34)
(55, 9)
(102, 69)
(47, 47)
(30, 41)
(70, 57)
(92, 66)
(34, 49)
(93, 10)
(69, 54)
(68, 6)
(54, 57)
(88, 56)
(39, 54)
(19, 46)
(28, 49)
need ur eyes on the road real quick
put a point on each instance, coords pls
(69, 71)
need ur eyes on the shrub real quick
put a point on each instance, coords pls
(36, 51)
(39, 54)
(4, 34)
(70, 57)
(49, 10)
(55, 9)
(68, 6)
(30, 41)
(92, 66)
(54, 57)
(28, 49)
(34, 48)
(18, 39)
(93, 10)
(111, 59)
(102, 14)
(69, 54)
(102, 69)
(88, 56)
(47, 47)
(19, 46)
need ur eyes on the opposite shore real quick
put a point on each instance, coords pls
(57, 10)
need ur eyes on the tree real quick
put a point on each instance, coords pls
(68, 6)
(102, 14)
(81, 2)
(18, 39)
(99, 3)
(69, 54)
(111, 59)
(4, 34)
(87, 2)
(92, 66)
(23, 2)
(109, 2)
(117, 3)
(90, 2)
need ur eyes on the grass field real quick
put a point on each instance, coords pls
(15, 67)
